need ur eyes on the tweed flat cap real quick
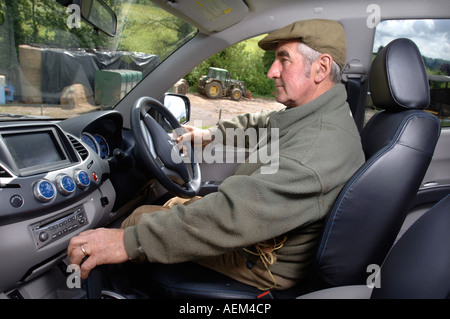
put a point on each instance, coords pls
(324, 36)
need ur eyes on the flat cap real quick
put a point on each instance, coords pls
(324, 36)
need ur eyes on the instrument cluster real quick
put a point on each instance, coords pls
(97, 143)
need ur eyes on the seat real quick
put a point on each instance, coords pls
(417, 266)
(398, 143)
(362, 226)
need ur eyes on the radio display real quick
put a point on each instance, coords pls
(34, 149)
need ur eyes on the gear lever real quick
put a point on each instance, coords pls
(93, 284)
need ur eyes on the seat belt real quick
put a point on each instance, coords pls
(354, 75)
(353, 91)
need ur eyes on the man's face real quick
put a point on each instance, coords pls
(292, 78)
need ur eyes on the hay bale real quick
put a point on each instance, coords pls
(181, 87)
(76, 96)
(30, 73)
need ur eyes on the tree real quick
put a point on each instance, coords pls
(445, 69)
(48, 18)
(248, 66)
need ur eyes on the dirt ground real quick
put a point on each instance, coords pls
(54, 111)
(203, 109)
(210, 111)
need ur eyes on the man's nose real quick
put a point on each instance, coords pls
(274, 71)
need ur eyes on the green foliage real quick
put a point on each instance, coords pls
(248, 65)
(149, 29)
(43, 21)
(439, 71)
(144, 28)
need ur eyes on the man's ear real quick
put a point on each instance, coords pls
(322, 67)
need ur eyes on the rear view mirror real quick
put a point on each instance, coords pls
(99, 15)
(179, 105)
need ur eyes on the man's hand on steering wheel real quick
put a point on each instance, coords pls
(198, 137)
(158, 151)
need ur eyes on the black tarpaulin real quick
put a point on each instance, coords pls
(61, 68)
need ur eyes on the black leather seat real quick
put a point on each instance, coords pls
(362, 226)
(398, 143)
(417, 266)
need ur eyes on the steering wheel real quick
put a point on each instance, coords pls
(160, 154)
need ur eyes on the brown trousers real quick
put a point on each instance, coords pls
(231, 264)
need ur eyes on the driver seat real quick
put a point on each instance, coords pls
(367, 215)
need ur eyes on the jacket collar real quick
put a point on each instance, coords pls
(330, 100)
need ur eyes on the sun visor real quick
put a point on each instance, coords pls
(209, 16)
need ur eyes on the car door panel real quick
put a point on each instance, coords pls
(217, 164)
(436, 182)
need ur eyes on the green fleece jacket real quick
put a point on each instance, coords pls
(319, 150)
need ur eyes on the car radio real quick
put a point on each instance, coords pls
(50, 230)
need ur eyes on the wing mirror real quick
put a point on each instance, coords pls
(179, 105)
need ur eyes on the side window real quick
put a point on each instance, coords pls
(231, 82)
(433, 40)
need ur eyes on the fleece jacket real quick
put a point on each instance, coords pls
(318, 150)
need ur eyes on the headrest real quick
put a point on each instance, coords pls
(398, 79)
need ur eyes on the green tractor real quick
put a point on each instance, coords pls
(218, 84)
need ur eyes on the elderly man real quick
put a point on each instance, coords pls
(260, 229)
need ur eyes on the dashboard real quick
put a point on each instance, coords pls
(55, 181)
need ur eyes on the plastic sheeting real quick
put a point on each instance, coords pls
(61, 68)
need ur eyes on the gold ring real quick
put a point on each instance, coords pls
(83, 251)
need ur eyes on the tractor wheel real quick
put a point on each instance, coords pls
(200, 87)
(236, 94)
(213, 90)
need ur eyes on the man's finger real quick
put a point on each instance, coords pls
(86, 267)
(74, 250)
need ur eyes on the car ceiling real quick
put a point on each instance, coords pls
(281, 12)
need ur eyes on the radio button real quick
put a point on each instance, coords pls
(43, 236)
(16, 201)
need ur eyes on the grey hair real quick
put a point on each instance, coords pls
(312, 55)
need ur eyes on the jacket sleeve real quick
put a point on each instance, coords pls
(242, 122)
(244, 211)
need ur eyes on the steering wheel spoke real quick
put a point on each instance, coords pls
(174, 176)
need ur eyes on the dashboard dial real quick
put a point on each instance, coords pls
(103, 148)
(97, 143)
(65, 184)
(89, 140)
(82, 179)
(44, 191)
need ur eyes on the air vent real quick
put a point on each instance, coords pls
(82, 151)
